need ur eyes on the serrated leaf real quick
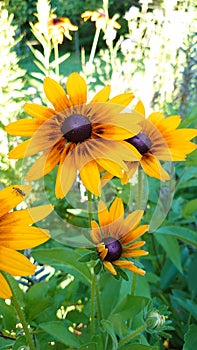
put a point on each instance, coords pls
(172, 249)
(184, 234)
(66, 259)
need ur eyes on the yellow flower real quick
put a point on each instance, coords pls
(56, 27)
(16, 234)
(159, 140)
(114, 237)
(102, 21)
(79, 136)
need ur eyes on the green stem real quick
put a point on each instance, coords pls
(56, 54)
(94, 280)
(139, 206)
(133, 285)
(140, 185)
(18, 309)
(94, 45)
(100, 316)
(132, 335)
(90, 207)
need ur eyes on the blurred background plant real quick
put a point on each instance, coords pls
(49, 32)
(149, 48)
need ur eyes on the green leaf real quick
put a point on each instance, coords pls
(6, 344)
(20, 343)
(59, 331)
(190, 118)
(191, 275)
(59, 60)
(184, 234)
(190, 208)
(98, 267)
(66, 259)
(188, 305)
(110, 330)
(9, 319)
(190, 338)
(137, 347)
(171, 247)
(89, 257)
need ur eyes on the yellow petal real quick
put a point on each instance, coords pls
(110, 267)
(132, 168)
(22, 237)
(153, 168)
(122, 99)
(5, 291)
(15, 263)
(129, 266)
(103, 216)
(103, 254)
(133, 246)
(110, 166)
(95, 233)
(134, 234)
(134, 253)
(102, 95)
(26, 216)
(12, 196)
(40, 112)
(112, 132)
(23, 127)
(47, 162)
(140, 108)
(21, 150)
(67, 172)
(56, 94)
(117, 209)
(77, 89)
(90, 177)
(132, 220)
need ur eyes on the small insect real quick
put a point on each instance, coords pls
(19, 191)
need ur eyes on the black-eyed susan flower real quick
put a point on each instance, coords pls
(76, 135)
(159, 140)
(115, 237)
(55, 28)
(17, 234)
(58, 27)
(101, 19)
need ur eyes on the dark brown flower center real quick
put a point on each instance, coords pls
(76, 128)
(114, 249)
(141, 142)
(56, 20)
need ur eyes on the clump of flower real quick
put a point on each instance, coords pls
(76, 135)
(116, 237)
(159, 140)
(17, 234)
